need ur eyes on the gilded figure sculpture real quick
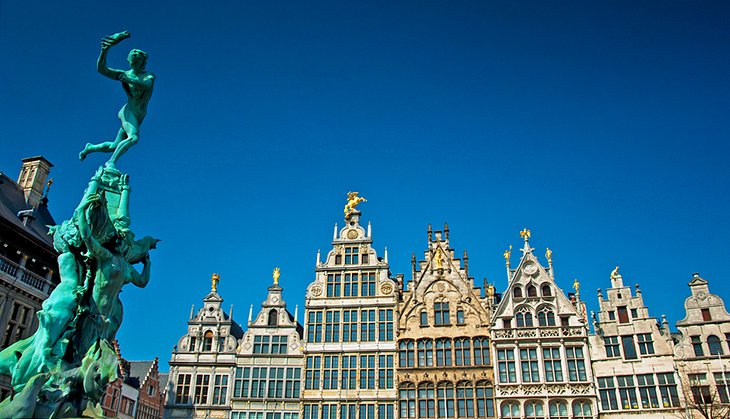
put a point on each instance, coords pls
(439, 259)
(525, 234)
(214, 280)
(352, 201)
(276, 275)
(614, 273)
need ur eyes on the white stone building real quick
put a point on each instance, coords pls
(632, 357)
(540, 345)
(349, 341)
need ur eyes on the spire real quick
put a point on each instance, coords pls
(385, 255)
(507, 254)
(466, 262)
(296, 313)
(549, 257)
(370, 230)
(334, 234)
(250, 315)
(430, 233)
(446, 231)
(318, 258)
(192, 311)
(230, 312)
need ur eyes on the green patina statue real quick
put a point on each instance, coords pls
(137, 84)
(63, 369)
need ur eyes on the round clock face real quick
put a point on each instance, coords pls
(352, 234)
(530, 268)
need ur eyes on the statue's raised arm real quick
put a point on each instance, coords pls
(138, 84)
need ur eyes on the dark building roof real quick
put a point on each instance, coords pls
(12, 201)
(138, 371)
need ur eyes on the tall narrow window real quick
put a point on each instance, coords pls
(668, 389)
(627, 392)
(528, 365)
(202, 382)
(351, 284)
(531, 291)
(182, 390)
(558, 410)
(331, 326)
(460, 316)
(208, 341)
(553, 367)
(462, 351)
(697, 346)
(582, 410)
(647, 391)
(334, 285)
(481, 351)
(367, 284)
(424, 318)
(349, 325)
(607, 393)
(623, 315)
(627, 342)
(273, 318)
(713, 342)
(706, 316)
(534, 410)
(445, 396)
(646, 345)
(506, 366)
(722, 381)
(426, 400)
(546, 317)
(385, 325)
(443, 352)
(485, 399)
(576, 363)
(220, 389)
(407, 396)
(465, 400)
(425, 353)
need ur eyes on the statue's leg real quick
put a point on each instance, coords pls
(106, 147)
(131, 128)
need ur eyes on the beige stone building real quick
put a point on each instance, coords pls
(541, 345)
(632, 357)
(349, 341)
(703, 352)
(444, 352)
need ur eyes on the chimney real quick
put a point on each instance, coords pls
(32, 178)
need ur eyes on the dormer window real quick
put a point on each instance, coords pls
(546, 292)
(517, 292)
(273, 318)
(531, 291)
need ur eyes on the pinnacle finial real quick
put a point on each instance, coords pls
(276, 276)
(525, 234)
(549, 255)
(214, 280)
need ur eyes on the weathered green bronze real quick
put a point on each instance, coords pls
(137, 84)
(63, 369)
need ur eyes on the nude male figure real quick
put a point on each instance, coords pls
(137, 84)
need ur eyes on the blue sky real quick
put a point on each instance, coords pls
(601, 126)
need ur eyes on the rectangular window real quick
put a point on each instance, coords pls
(611, 315)
(314, 326)
(460, 317)
(445, 395)
(220, 389)
(258, 382)
(528, 365)
(623, 315)
(607, 393)
(627, 392)
(278, 344)
(367, 372)
(462, 351)
(700, 388)
(646, 345)
(276, 382)
(329, 411)
(576, 363)
(367, 284)
(634, 313)
(349, 325)
(697, 345)
(313, 374)
(506, 366)
(367, 411)
(311, 411)
(611, 344)
(332, 326)
(668, 389)
(385, 371)
(441, 313)
(485, 401)
(238, 382)
(202, 382)
(349, 372)
(352, 255)
(706, 315)
(334, 285)
(292, 383)
(367, 325)
(365, 258)
(647, 391)
(386, 411)
(425, 352)
(627, 342)
(722, 380)
(330, 379)
(182, 391)
(424, 318)
(481, 351)
(553, 367)
(261, 344)
(351, 284)
(385, 325)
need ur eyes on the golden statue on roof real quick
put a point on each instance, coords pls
(614, 273)
(214, 279)
(277, 274)
(439, 259)
(507, 254)
(525, 234)
(352, 201)
(576, 285)
(549, 255)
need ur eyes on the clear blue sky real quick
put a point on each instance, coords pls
(601, 126)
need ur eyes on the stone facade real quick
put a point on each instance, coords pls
(268, 374)
(444, 352)
(28, 267)
(349, 341)
(632, 357)
(540, 341)
(703, 352)
(203, 363)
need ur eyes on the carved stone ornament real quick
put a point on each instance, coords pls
(352, 234)
(316, 291)
(530, 268)
(386, 288)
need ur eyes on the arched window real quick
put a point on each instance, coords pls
(517, 292)
(406, 356)
(534, 409)
(524, 318)
(208, 341)
(445, 395)
(462, 351)
(485, 399)
(558, 410)
(426, 400)
(546, 317)
(407, 393)
(531, 291)
(510, 410)
(465, 399)
(443, 352)
(714, 343)
(273, 318)
(546, 292)
(481, 351)
(425, 353)
(582, 409)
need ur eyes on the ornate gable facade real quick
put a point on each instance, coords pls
(541, 346)
(444, 352)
